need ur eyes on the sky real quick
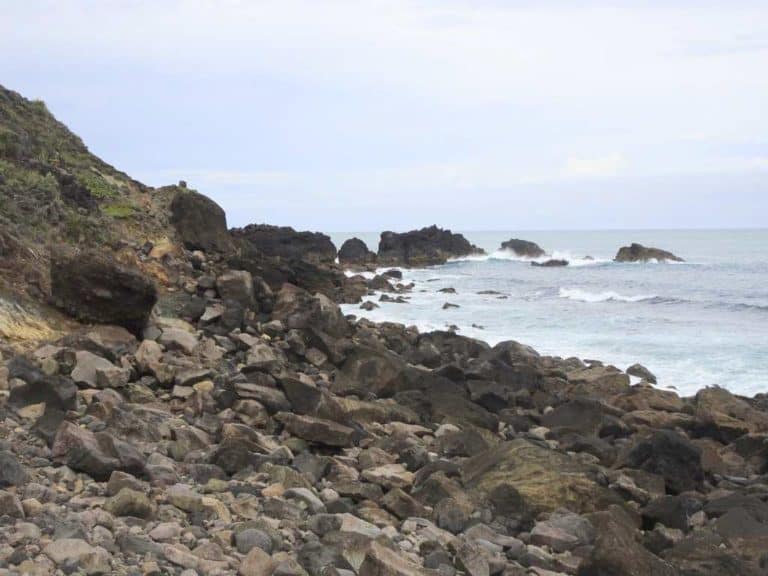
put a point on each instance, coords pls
(391, 114)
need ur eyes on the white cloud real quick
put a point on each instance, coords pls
(595, 166)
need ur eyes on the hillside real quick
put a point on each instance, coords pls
(54, 191)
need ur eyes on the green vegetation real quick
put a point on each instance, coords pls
(119, 210)
(97, 185)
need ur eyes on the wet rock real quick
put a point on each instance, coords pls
(639, 253)
(641, 372)
(552, 263)
(523, 248)
(425, 247)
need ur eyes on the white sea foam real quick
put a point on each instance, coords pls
(607, 296)
(511, 256)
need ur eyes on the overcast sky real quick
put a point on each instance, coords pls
(371, 114)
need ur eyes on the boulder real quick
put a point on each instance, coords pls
(523, 477)
(616, 550)
(58, 392)
(317, 430)
(425, 247)
(523, 248)
(671, 456)
(725, 417)
(287, 244)
(639, 253)
(354, 252)
(199, 221)
(640, 371)
(94, 288)
(236, 285)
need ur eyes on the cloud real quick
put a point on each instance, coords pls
(595, 166)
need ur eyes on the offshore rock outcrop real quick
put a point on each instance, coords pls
(639, 253)
(523, 248)
(426, 247)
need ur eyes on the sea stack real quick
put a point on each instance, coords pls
(523, 248)
(639, 253)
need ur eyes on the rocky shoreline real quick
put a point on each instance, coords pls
(231, 420)
(261, 432)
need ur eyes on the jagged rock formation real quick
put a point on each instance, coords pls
(288, 244)
(426, 247)
(639, 253)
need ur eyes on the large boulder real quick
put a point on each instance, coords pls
(425, 247)
(288, 244)
(93, 287)
(725, 417)
(520, 476)
(354, 252)
(199, 221)
(639, 253)
(523, 248)
(671, 456)
(617, 551)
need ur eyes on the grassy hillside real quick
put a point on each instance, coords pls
(54, 191)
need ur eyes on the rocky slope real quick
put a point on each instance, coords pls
(248, 427)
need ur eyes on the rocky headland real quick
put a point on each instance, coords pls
(179, 398)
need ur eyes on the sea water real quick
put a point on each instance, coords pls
(693, 324)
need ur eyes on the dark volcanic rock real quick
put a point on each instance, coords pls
(639, 253)
(354, 252)
(199, 221)
(671, 456)
(524, 248)
(288, 244)
(425, 247)
(56, 391)
(554, 263)
(94, 288)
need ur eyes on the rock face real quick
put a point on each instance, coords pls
(354, 252)
(425, 247)
(288, 244)
(93, 288)
(199, 221)
(639, 253)
(524, 248)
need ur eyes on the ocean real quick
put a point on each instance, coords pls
(693, 324)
